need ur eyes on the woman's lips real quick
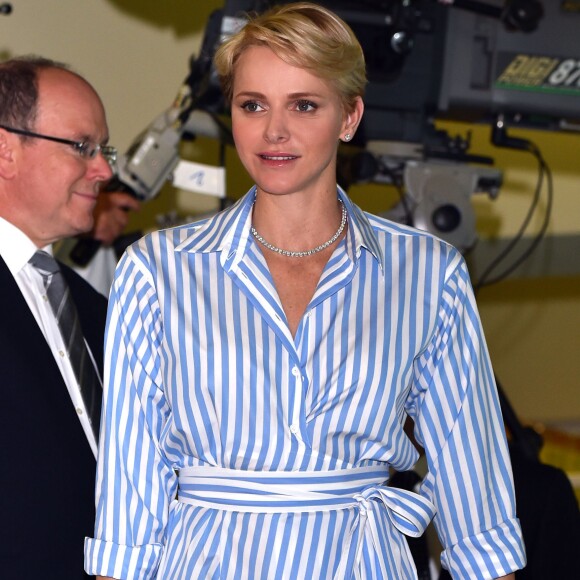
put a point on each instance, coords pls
(277, 159)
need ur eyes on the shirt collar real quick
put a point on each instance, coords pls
(16, 248)
(228, 231)
(360, 232)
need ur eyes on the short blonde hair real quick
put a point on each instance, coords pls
(304, 35)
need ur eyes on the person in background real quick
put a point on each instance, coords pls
(53, 163)
(95, 254)
(112, 214)
(260, 364)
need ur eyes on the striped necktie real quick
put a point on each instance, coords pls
(67, 318)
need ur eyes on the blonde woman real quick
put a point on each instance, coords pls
(261, 363)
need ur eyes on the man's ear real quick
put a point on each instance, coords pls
(7, 155)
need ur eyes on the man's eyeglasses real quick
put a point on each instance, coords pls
(86, 149)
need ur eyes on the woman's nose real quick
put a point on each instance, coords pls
(276, 129)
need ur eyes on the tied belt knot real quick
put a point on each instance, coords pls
(362, 488)
(408, 511)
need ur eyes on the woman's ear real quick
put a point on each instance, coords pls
(352, 120)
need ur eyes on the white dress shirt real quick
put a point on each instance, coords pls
(16, 249)
(231, 448)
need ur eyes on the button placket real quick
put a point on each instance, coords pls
(298, 403)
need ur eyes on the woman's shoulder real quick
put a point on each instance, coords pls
(415, 244)
(388, 228)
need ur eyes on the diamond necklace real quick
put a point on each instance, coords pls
(306, 252)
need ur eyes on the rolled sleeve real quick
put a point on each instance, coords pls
(123, 562)
(458, 421)
(135, 483)
(490, 554)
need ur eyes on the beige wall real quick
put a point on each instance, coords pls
(136, 54)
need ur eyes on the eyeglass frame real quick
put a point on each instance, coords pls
(81, 147)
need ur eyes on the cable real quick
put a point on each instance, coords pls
(540, 234)
(544, 171)
(395, 174)
(506, 251)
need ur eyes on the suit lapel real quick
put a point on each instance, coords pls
(23, 341)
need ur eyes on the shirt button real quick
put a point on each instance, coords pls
(62, 353)
(79, 411)
(295, 371)
(293, 429)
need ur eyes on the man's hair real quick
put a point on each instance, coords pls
(19, 89)
(304, 35)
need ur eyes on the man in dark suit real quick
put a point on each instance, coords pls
(53, 135)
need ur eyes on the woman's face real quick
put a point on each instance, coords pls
(287, 123)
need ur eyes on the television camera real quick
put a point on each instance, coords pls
(509, 64)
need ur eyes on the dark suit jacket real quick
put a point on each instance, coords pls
(47, 468)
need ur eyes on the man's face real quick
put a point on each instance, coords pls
(54, 189)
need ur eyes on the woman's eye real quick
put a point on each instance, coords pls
(305, 106)
(251, 107)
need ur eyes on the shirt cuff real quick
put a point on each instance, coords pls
(104, 558)
(489, 554)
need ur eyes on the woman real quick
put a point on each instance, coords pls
(261, 363)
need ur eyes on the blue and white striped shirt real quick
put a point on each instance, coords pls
(231, 449)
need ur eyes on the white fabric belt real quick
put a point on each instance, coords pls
(308, 491)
